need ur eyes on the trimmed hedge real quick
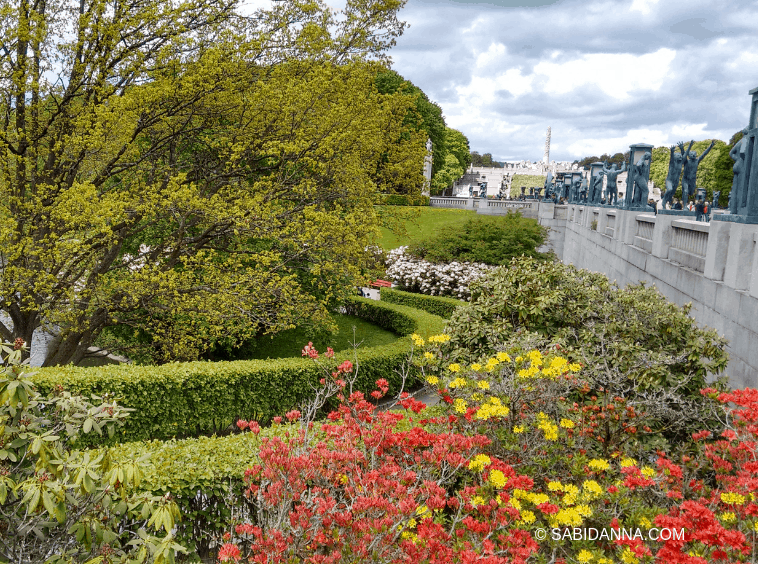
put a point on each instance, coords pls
(403, 200)
(193, 398)
(437, 305)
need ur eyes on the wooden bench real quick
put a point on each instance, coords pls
(381, 284)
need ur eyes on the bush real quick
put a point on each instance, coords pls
(424, 277)
(403, 200)
(191, 398)
(492, 240)
(438, 305)
(631, 340)
(529, 180)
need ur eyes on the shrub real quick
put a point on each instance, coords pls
(403, 200)
(492, 240)
(438, 305)
(631, 340)
(58, 505)
(420, 276)
(191, 398)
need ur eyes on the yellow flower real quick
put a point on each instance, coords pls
(598, 465)
(433, 380)
(584, 556)
(645, 522)
(477, 500)
(574, 367)
(428, 356)
(455, 367)
(628, 556)
(476, 396)
(519, 358)
(584, 510)
(460, 406)
(733, 498)
(567, 424)
(439, 338)
(554, 486)
(423, 512)
(417, 340)
(527, 517)
(476, 367)
(728, 517)
(498, 479)
(484, 385)
(592, 489)
(515, 503)
(628, 462)
(457, 383)
(479, 462)
(503, 357)
(648, 472)
(518, 429)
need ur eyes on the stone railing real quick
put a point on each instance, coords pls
(643, 239)
(610, 225)
(450, 202)
(511, 204)
(689, 243)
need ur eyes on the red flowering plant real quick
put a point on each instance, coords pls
(371, 485)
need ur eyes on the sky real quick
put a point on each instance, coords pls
(603, 74)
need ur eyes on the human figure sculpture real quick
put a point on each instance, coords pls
(716, 196)
(470, 191)
(689, 177)
(596, 192)
(583, 190)
(738, 156)
(559, 189)
(549, 185)
(611, 188)
(676, 160)
(574, 190)
(640, 189)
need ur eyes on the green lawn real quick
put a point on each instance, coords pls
(430, 221)
(290, 343)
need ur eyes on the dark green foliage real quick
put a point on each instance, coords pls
(493, 240)
(403, 200)
(438, 305)
(617, 158)
(191, 398)
(484, 160)
(432, 122)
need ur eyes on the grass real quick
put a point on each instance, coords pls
(428, 222)
(290, 343)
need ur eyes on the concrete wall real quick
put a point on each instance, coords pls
(712, 265)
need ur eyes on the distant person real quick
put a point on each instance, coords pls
(700, 211)
(678, 205)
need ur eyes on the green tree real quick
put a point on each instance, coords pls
(457, 144)
(456, 161)
(190, 173)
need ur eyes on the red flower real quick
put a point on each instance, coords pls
(229, 552)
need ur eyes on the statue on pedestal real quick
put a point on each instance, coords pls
(676, 160)
(611, 189)
(690, 170)
(596, 191)
(738, 156)
(716, 196)
(583, 191)
(640, 189)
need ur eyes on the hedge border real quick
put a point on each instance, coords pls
(437, 305)
(403, 200)
(195, 398)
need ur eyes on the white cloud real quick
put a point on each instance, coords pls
(643, 6)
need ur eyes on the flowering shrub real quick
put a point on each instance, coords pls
(416, 275)
(522, 457)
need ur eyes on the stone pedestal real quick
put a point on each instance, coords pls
(740, 254)
(662, 235)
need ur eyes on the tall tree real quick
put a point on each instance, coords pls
(189, 172)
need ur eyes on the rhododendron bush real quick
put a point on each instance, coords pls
(520, 455)
(424, 277)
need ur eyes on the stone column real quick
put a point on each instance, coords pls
(739, 258)
(718, 249)
(626, 225)
(662, 235)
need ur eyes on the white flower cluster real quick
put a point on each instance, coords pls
(416, 275)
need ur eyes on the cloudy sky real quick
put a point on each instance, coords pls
(602, 73)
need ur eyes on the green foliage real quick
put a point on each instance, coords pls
(528, 180)
(630, 339)
(187, 399)
(492, 240)
(193, 174)
(617, 158)
(632, 329)
(457, 145)
(59, 505)
(423, 224)
(402, 200)
(714, 172)
(484, 160)
(437, 305)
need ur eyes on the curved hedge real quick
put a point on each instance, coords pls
(437, 305)
(192, 398)
(403, 200)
